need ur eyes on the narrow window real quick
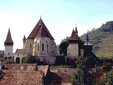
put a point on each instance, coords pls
(30, 45)
(42, 46)
(8, 53)
(38, 47)
(47, 47)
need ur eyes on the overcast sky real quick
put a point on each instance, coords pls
(60, 17)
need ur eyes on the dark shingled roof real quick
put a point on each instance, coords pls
(8, 40)
(40, 30)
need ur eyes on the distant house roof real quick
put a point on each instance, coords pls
(8, 40)
(40, 30)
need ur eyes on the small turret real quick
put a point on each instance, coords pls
(24, 38)
(76, 31)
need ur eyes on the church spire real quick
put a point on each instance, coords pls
(87, 40)
(24, 38)
(76, 31)
(8, 40)
(87, 37)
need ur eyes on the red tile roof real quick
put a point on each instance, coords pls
(22, 77)
(21, 51)
(8, 40)
(74, 35)
(40, 30)
(23, 74)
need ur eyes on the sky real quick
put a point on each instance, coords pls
(60, 17)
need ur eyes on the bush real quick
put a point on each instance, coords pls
(109, 78)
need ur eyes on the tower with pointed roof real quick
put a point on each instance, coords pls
(73, 48)
(41, 43)
(87, 46)
(8, 45)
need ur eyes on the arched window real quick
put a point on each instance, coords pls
(17, 60)
(42, 46)
(23, 59)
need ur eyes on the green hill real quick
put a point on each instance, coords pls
(102, 40)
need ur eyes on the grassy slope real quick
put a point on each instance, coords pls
(102, 40)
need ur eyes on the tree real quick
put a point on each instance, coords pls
(29, 59)
(109, 78)
(63, 46)
(83, 76)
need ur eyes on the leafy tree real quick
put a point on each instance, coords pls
(63, 46)
(109, 78)
(8, 61)
(83, 76)
(106, 67)
(29, 59)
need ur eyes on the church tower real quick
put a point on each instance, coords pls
(8, 45)
(40, 43)
(73, 48)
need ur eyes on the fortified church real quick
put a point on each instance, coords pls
(40, 43)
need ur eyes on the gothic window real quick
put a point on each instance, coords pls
(30, 45)
(52, 52)
(8, 53)
(38, 47)
(42, 46)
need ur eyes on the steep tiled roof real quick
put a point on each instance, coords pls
(40, 30)
(74, 36)
(8, 40)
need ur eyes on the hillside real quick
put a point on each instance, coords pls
(102, 40)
